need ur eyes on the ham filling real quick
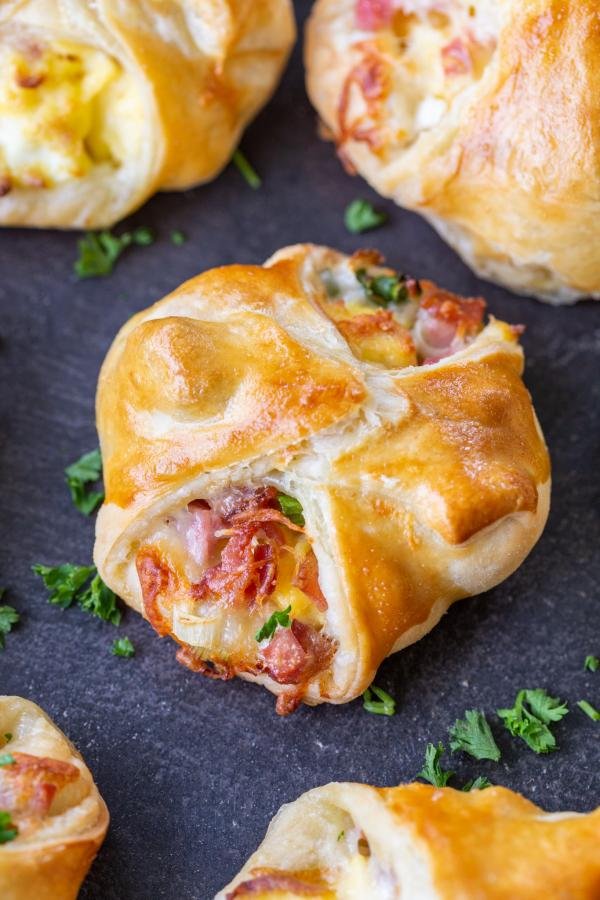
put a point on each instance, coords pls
(29, 785)
(217, 572)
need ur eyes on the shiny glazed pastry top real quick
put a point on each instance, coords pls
(416, 842)
(52, 818)
(104, 102)
(482, 116)
(306, 462)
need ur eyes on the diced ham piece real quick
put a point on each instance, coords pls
(373, 14)
(294, 654)
(445, 322)
(28, 786)
(199, 530)
(267, 882)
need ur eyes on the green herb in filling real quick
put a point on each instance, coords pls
(279, 618)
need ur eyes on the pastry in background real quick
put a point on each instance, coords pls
(307, 462)
(103, 103)
(482, 116)
(351, 841)
(52, 818)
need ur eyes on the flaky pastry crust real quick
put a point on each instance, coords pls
(53, 802)
(484, 117)
(105, 102)
(344, 841)
(420, 485)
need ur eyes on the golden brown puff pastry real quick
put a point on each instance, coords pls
(416, 842)
(321, 440)
(482, 116)
(52, 818)
(104, 102)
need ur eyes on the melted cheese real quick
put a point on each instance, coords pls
(64, 109)
(359, 879)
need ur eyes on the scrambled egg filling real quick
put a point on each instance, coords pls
(63, 109)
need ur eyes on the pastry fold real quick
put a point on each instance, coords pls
(417, 473)
(351, 841)
(104, 103)
(54, 807)
(483, 117)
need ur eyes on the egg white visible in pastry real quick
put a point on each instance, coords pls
(52, 818)
(306, 462)
(416, 842)
(104, 102)
(483, 116)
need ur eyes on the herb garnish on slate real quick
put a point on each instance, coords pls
(592, 663)
(66, 584)
(123, 647)
(8, 617)
(473, 735)
(432, 770)
(86, 470)
(477, 784)
(246, 170)
(385, 705)
(362, 216)
(589, 710)
(531, 716)
(100, 250)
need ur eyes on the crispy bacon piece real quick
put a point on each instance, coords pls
(219, 671)
(456, 58)
(373, 14)
(295, 654)
(29, 785)
(307, 580)
(29, 79)
(275, 881)
(158, 583)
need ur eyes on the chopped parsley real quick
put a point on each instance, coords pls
(383, 289)
(432, 770)
(86, 470)
(67, 583)
(8, 831)
(280, 617)
(477, 784)
(592, 663)
(361, 216)
(589, 710)
(178, 237)
(385, 705)
(291, 508)
(123, 647)
(100, 250)
(7, 759)
(332, 288)
(473, 735)
(341, 835)
(8, 736)
(8, 617)
(530, 717)
(246, 170)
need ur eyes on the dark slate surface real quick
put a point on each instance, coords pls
(193, 770)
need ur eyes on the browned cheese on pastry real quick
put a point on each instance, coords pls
(52, 818)
(105, 102)
(482, 116)
(307, 462)
(416, 842)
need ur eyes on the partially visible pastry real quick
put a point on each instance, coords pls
(416, 842)
(105, 102)
(52, 818)
(307, 462)
(483, 116)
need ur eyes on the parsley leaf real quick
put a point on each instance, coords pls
(291, 508)
(432, 771)
(8, 617)
(64, 582)
(8, 831)
(473, 735)
(100, 250)
(7, 759)
(246, 170)
(361, 216)
(477, 784)
(592, 663)
(589, 710)
(279, 617)
(178, 237)
(531, 724)
(383, 289)
(123, 647)
(100, 601)
(88, 468)
(8, 736)
(384, 706)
